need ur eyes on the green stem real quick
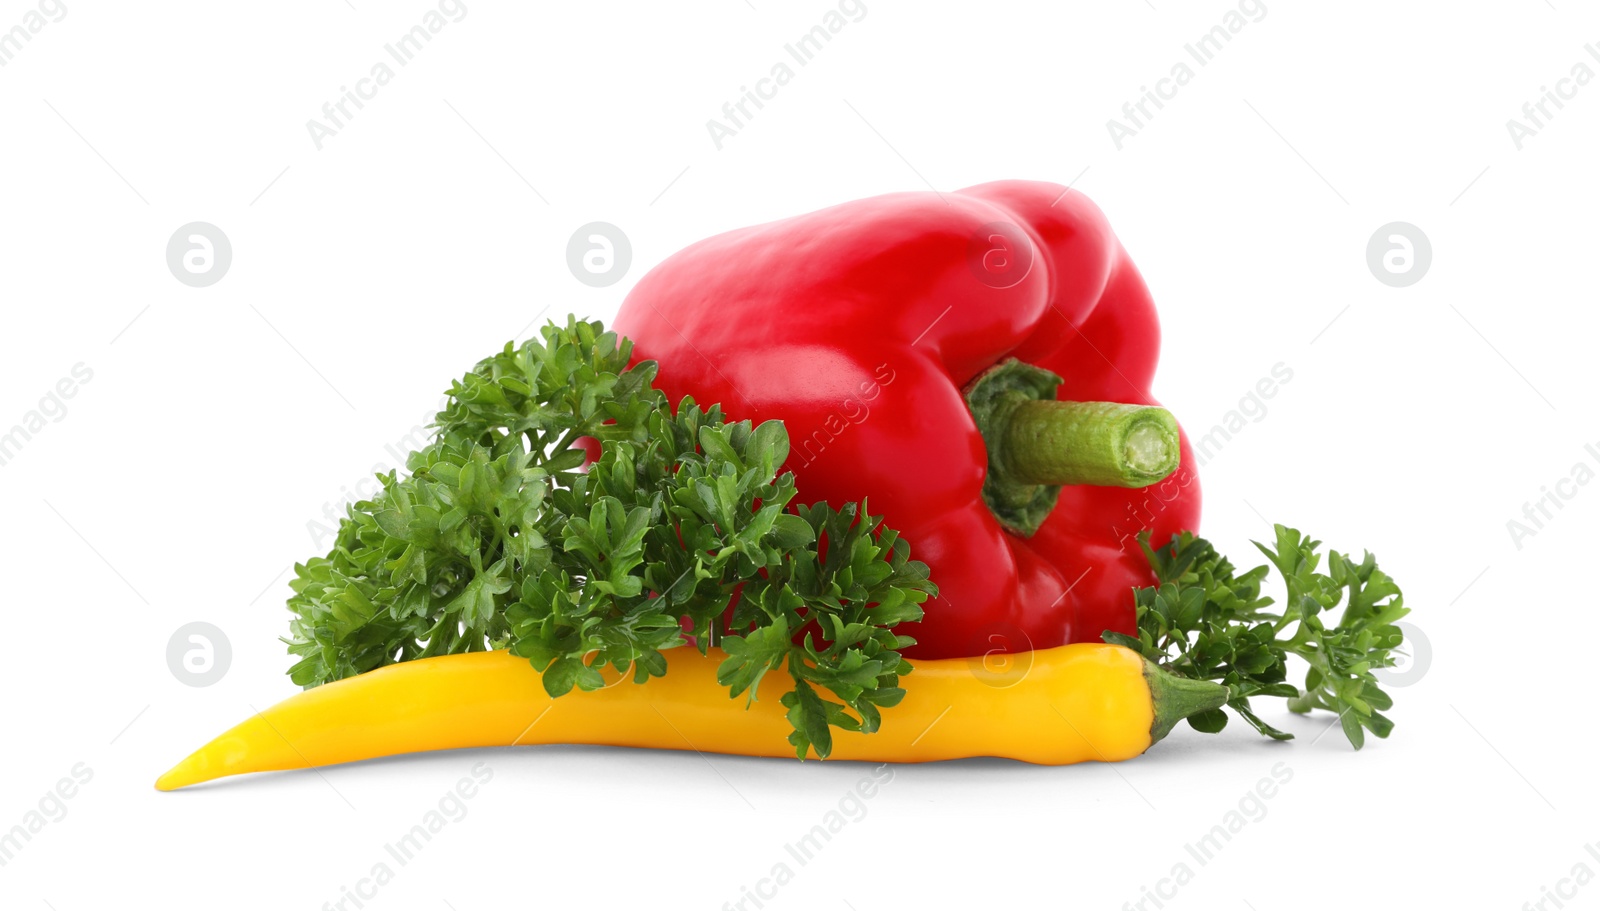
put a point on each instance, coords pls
(1175, 698)
(566, 442)
(1037, 444)
(1103, 443)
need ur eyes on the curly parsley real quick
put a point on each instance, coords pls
(682, 531)
(1203, 621)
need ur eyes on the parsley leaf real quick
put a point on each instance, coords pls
(1203, 620)
(683, 532)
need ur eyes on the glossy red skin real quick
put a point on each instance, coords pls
(831, 322)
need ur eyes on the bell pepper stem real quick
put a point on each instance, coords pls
(1175, 698)
(1108, 444)
(1037, 443)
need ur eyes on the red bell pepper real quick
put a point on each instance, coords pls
(893, 336)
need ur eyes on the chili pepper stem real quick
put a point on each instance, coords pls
(1175, 698)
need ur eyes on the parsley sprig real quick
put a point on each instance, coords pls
(1203, 620)
(682, 529)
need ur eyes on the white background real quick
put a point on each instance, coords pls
(219, 421)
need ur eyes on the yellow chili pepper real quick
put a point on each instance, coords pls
(1069, 704)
